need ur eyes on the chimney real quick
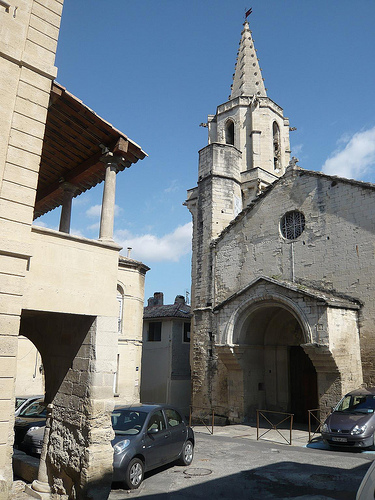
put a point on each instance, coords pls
(156, 300)
(180, 299)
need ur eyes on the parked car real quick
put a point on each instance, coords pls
(32, 416)
(366, 490)
(33, 441)
(23, 401)
(352, 421)
(146, 437)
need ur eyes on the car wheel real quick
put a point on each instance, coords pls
(134, 474)
(187, 454)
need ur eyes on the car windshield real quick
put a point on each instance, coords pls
(19, 402)
(357, 404)
(35, 409)
(127, 422)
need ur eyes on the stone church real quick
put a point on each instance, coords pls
(282, 268)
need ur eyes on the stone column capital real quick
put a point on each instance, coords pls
(110, 158)
(68, 187)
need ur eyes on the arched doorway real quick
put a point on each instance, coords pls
(277, 373)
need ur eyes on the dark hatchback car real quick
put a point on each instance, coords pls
(31, 417)
(352, 421)
(147, 437)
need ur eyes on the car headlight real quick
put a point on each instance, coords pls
(120, 446)
(324, 428)
(358, 429)
(34, 428)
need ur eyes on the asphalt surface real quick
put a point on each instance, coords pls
(234, 465)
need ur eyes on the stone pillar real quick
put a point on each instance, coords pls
(40, 488)
(66, 208)
(109, 196)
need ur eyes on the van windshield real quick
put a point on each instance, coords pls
(357, 404)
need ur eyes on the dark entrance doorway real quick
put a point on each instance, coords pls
(303, 384)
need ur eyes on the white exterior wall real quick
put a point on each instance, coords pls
(156, 364)
(132, 281)
(30, 374)
(71, 274)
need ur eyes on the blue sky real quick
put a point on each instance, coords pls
(156, 68)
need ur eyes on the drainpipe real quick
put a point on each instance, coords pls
(292, 251)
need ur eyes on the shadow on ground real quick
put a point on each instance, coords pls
(281, 480)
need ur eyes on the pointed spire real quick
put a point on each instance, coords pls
(247, 79)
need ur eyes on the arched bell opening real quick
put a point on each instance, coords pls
(229, 132)
(276, 147)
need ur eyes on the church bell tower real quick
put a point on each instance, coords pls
(248, 149)
(252, 123)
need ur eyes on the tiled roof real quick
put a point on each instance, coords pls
(167, 311)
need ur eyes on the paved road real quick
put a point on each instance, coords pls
(239, 467)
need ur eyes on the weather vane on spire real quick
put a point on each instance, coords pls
(247, 13)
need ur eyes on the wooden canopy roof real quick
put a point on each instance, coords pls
(75, 140)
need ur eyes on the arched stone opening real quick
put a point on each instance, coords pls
(277, 373)
(79, 366)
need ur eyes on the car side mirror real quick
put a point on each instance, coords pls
(153, 430)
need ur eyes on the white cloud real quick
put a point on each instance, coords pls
(355, 159)
(40, 223)
(94, 227)
(77, 232)
(297, 149)
(172, 187)
(96, 210)
(150, 248)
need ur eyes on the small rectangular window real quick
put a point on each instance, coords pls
(186, 332)
(154, 331)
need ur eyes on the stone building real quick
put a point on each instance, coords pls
(130, 296)
(126, 377)
(166, 352)
(58, 290)
(282, 268)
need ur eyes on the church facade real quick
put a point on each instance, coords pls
(282, 266)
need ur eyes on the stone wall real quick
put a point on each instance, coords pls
(333, 258)
(79, 359)
(28, 39)
(334, 253)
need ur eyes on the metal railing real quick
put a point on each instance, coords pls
(206, 416)
(275, 426)
(201, 418)
(314, 418)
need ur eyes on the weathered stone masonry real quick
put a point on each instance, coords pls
(280, 322)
